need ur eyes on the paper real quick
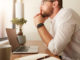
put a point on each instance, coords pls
(36, 56)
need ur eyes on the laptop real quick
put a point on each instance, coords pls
(16, 47)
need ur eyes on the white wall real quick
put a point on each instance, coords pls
(31, 7)
(74, 4)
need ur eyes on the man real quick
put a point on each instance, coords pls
(64, 38)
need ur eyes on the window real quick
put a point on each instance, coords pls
(6, 15)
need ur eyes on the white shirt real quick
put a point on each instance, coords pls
(66, 35)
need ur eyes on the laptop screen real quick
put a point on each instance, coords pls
(11, 33)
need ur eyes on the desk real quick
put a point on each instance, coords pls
(40, 44)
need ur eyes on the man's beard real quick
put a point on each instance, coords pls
(44, 14)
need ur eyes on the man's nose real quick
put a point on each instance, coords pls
(40, 9)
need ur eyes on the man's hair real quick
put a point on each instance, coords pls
(60, 3)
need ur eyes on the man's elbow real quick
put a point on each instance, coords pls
(53, 49)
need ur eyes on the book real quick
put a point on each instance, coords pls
(38, 57)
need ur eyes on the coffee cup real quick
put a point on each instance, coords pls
(5, 52)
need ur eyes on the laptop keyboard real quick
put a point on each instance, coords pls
(22, 49)
(28, 49)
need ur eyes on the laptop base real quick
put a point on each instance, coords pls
(27, 49)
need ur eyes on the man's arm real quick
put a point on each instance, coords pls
(63, 36)
(45, 35)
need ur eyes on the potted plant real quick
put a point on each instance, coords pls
(20, 23)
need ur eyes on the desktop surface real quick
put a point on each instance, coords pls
(40, 44)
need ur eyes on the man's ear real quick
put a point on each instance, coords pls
(55, 4)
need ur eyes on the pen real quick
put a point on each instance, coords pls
(43, 57)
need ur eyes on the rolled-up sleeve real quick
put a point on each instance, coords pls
(61, 39)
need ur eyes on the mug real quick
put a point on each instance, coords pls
(5, 52)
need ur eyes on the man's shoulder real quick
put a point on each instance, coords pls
(67, 10)
(65, 13)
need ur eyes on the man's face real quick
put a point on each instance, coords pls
(46, 8)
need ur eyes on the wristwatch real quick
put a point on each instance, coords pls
(40, 25)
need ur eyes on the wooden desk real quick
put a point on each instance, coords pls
(40, 44)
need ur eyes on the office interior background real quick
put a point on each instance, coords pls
(31, 8)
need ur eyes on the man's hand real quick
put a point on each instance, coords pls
(39, 19)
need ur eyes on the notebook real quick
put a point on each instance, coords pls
(38, 57)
